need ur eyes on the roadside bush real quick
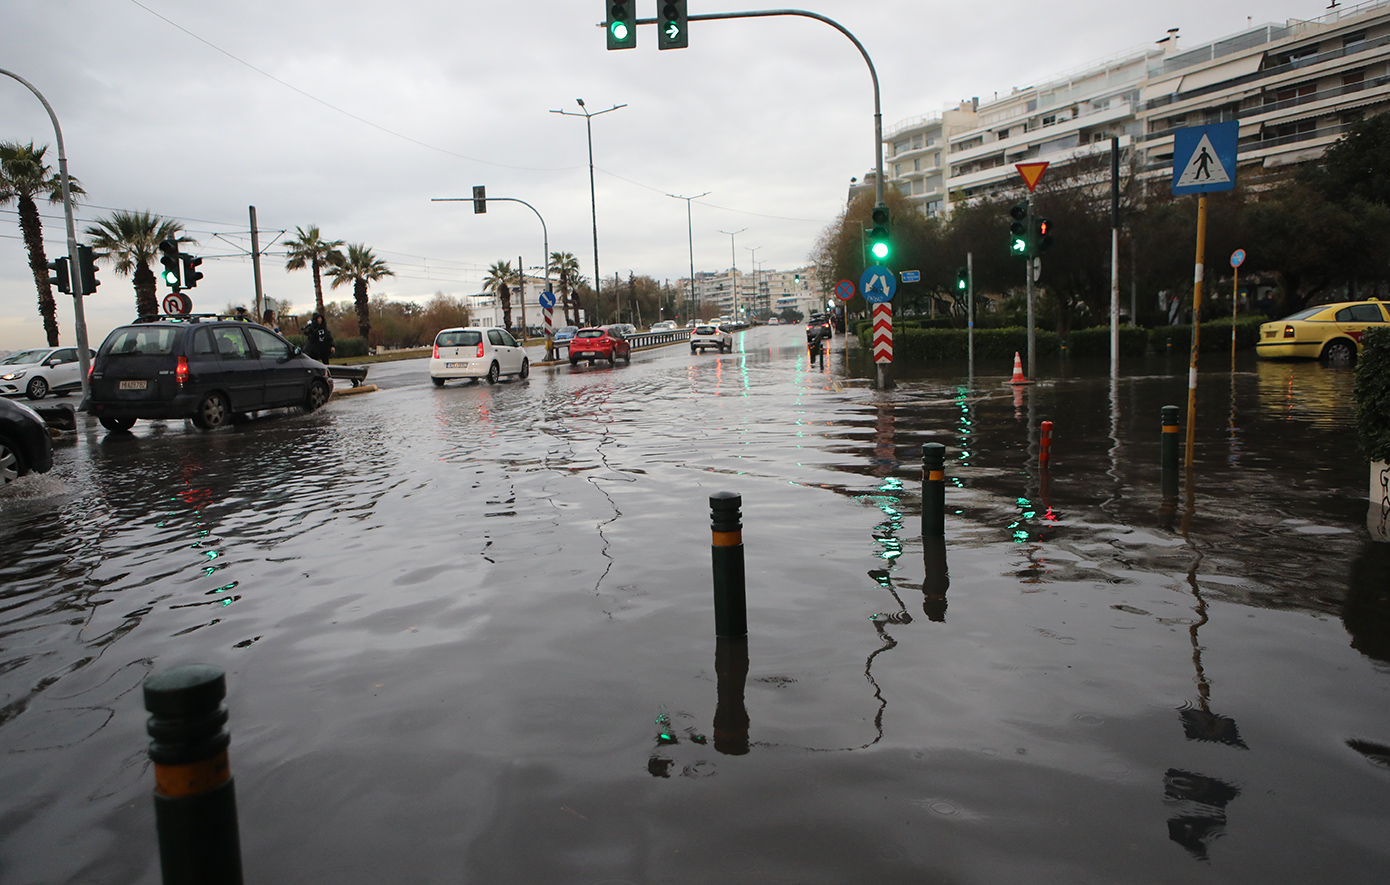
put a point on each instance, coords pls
(951, 344)
(1372, 394)
(1216, 335)
(350, 347)
(1134, 341)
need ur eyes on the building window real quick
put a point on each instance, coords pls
(916, 142)
(1351, 40)
(1003, 135)
(917, 165)
(1354, 81)
(1050, 120)
(897, 169)
(936, 158)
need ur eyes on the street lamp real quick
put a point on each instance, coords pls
(754, 261)
(593, 204)
(733, 271)
(690, 233)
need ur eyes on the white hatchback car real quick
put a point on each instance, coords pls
(477, 353)
(37, 373)
(707, 336)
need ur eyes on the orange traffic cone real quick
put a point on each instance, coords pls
(1018, 371)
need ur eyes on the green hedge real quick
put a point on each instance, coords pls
(1372, 394)
(1134, 341)
(951, 344)
(1216, 335)
(342, 347)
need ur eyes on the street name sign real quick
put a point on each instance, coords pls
(912, 276)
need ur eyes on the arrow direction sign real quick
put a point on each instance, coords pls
(878, 284)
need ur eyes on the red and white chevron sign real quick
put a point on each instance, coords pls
(883, 333)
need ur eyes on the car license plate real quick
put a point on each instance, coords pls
(455, 365)
(132, 385)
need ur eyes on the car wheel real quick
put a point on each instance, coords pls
(212, 412)
(574, 361)
(117, 425)
(438, 382)
(37, 389)
(692, 350)
(525, 368)
(1337, 352)
(611, 358)
(627, 357)
(11, 462)
(318, 396)
(493, 373)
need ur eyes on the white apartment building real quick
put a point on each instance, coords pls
(752, 293)
(1295, 87)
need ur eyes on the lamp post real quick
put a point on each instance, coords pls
(754, 261)
(733, 270)
(690, 233)
(593, 203)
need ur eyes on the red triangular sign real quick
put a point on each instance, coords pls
(1032, 173)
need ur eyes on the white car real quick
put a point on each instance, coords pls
(707, 336)
(476, 353)
(37, 373)
(666, 326)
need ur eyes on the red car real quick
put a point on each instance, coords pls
(600, 343)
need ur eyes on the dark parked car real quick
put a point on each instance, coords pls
(200, 367)
(25, 446)
(818, 326)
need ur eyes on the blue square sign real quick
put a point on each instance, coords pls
(1204, 158)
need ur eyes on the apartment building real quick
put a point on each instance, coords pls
(757, 292)
(1296, 88)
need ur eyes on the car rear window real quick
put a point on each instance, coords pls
(459, 338)
(141, 341)
(706, 330)
(589, 333)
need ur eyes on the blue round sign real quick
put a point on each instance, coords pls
(878, 284)
(1237, 258)
(547, 300)
(844, 290)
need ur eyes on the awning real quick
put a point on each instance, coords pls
(1221, 73)
(1154, 90)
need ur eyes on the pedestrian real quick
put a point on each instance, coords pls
(240, 315)
(268, 320)
(318, 341)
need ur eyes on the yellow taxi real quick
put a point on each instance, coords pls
(1330, 332)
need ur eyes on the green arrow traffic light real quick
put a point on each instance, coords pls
(671, 27)
(1018, 231)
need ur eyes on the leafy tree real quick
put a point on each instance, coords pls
(23, 175)
(1357, 166)
(310, 249)
(129, 241)
(566, 269)
(500, 278)
(360, 267)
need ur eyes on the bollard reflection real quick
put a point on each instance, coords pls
(1366, 611)
(730, 714)
(937, 580)
(1201, 804)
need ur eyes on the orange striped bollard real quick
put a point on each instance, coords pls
(726, 555)
(194, 798)
(1045, 453)
(933, 490)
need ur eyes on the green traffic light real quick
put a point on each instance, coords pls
(879, 250)
(170, 277)
(1019, 245)
(620, 31)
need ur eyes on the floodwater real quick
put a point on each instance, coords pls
(469, 634)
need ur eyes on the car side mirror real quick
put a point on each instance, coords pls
(297, 351)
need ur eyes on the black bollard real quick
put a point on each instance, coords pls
(194, 800)
(1170, 452)
(726, 554)
(730, 713)
(937, 580)
(933, 490)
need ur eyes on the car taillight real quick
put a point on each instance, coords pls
(181, 372)
(1288, 332)
(436, 350)
(480, 350)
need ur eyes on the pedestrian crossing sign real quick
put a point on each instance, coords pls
(1204, 158)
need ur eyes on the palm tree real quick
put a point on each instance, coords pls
(23, 174)
(309, 248)
(566, 267)
(499, 278)
(129, 241)
(359, 267)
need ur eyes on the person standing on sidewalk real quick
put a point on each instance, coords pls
(318, 341)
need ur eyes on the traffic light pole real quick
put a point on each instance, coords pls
(1028, 288)
(80, 320)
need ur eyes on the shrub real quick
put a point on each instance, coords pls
(350, 347)
(952, 344)
(1216, 335)
(1372, 394)
(1134, 341)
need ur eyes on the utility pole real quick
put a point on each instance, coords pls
(690, 307)
(256, 266)
(593, 202)
(733, 270)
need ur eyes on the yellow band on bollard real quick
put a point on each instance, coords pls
(192, 779)
(1170, 428)
(936, 475)
(726, 539)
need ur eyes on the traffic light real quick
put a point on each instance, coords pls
(58, 275)
(963, 280)
(169, 257)
(879, 247)
(191, 274)
(87, 270)
(1042, 235)
(622, 24)
(671, 25)
(1019, 245)
(479, 199)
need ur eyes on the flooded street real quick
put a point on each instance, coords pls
(468, 632)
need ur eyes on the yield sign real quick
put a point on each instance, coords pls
(1032, 173)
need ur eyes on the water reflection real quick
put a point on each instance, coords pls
(937, 580)
(1200, 803)
(731, 721)
(1366, 611)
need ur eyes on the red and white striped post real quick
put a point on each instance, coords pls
(883, 333)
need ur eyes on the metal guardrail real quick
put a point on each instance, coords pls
(644, 339)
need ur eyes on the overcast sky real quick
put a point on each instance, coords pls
(352, 115)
